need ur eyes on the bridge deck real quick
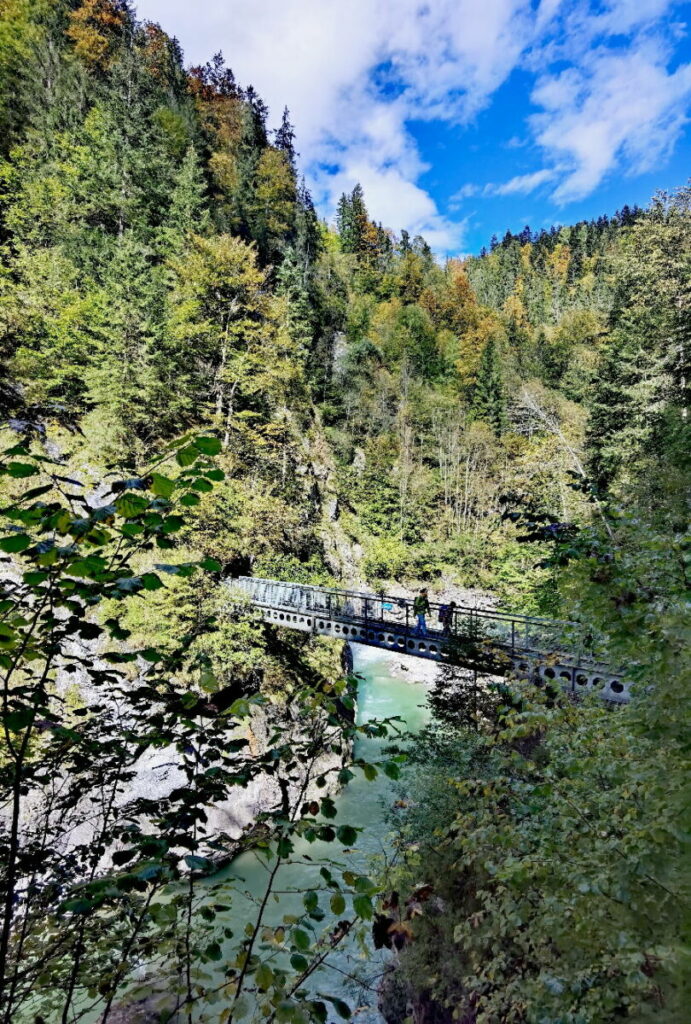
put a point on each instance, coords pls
(486, 639)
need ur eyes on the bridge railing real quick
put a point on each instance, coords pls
(513, 631)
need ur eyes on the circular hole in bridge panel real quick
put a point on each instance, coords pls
(581, 679)
(565, 675)
(549, 673)
(432, 649)
(411, 645)
(422, 647)
(616, 686)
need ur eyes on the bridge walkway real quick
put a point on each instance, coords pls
(492, 641)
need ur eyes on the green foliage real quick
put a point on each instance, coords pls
(557, 831)
(641, 391)
(554, 869)
(352, 221)
(102, 876)
(489, 402)
(372, 414)
(387, 558)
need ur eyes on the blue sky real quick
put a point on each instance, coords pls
(462, 118)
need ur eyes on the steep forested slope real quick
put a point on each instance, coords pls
(380, 417)
(164, 268)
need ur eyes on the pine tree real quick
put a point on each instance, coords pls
(299, 313)
(246, 157)
(577, 244)
(188, 212)
(307, 234)
(344, 223)
(640, 402)
(352, 222)
(628, 400)
(122, 380)
(257, 112)
(489, 397)
(284, 138)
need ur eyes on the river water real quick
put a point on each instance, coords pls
(360, 803)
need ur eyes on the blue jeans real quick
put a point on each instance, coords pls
(421, 624)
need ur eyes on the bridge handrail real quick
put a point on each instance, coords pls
(253, 582)
(521, 636)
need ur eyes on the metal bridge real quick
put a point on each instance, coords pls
(495, 642)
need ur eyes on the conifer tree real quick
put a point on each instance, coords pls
(121, 376)
(253, 141)
(641, 392)
(347, 224)
(352, 222)
(344, 222)
(284, 138)
(577, 248)
(188, 212)
(489, 398)
(307, 234)
(299, 315)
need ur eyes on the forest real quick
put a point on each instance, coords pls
(201, 379)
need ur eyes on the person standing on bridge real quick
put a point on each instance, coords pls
(446, 617)
(421, 607)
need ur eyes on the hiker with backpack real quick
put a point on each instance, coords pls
(446, 614)
(421, 607)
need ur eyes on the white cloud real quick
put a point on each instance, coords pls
(440, 60)
(354, 74)
(522, 184)
(620, 107)
(396, 201)
(467, 191)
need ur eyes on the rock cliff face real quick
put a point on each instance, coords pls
(158, 771)
(158, 774)
(342, 553)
